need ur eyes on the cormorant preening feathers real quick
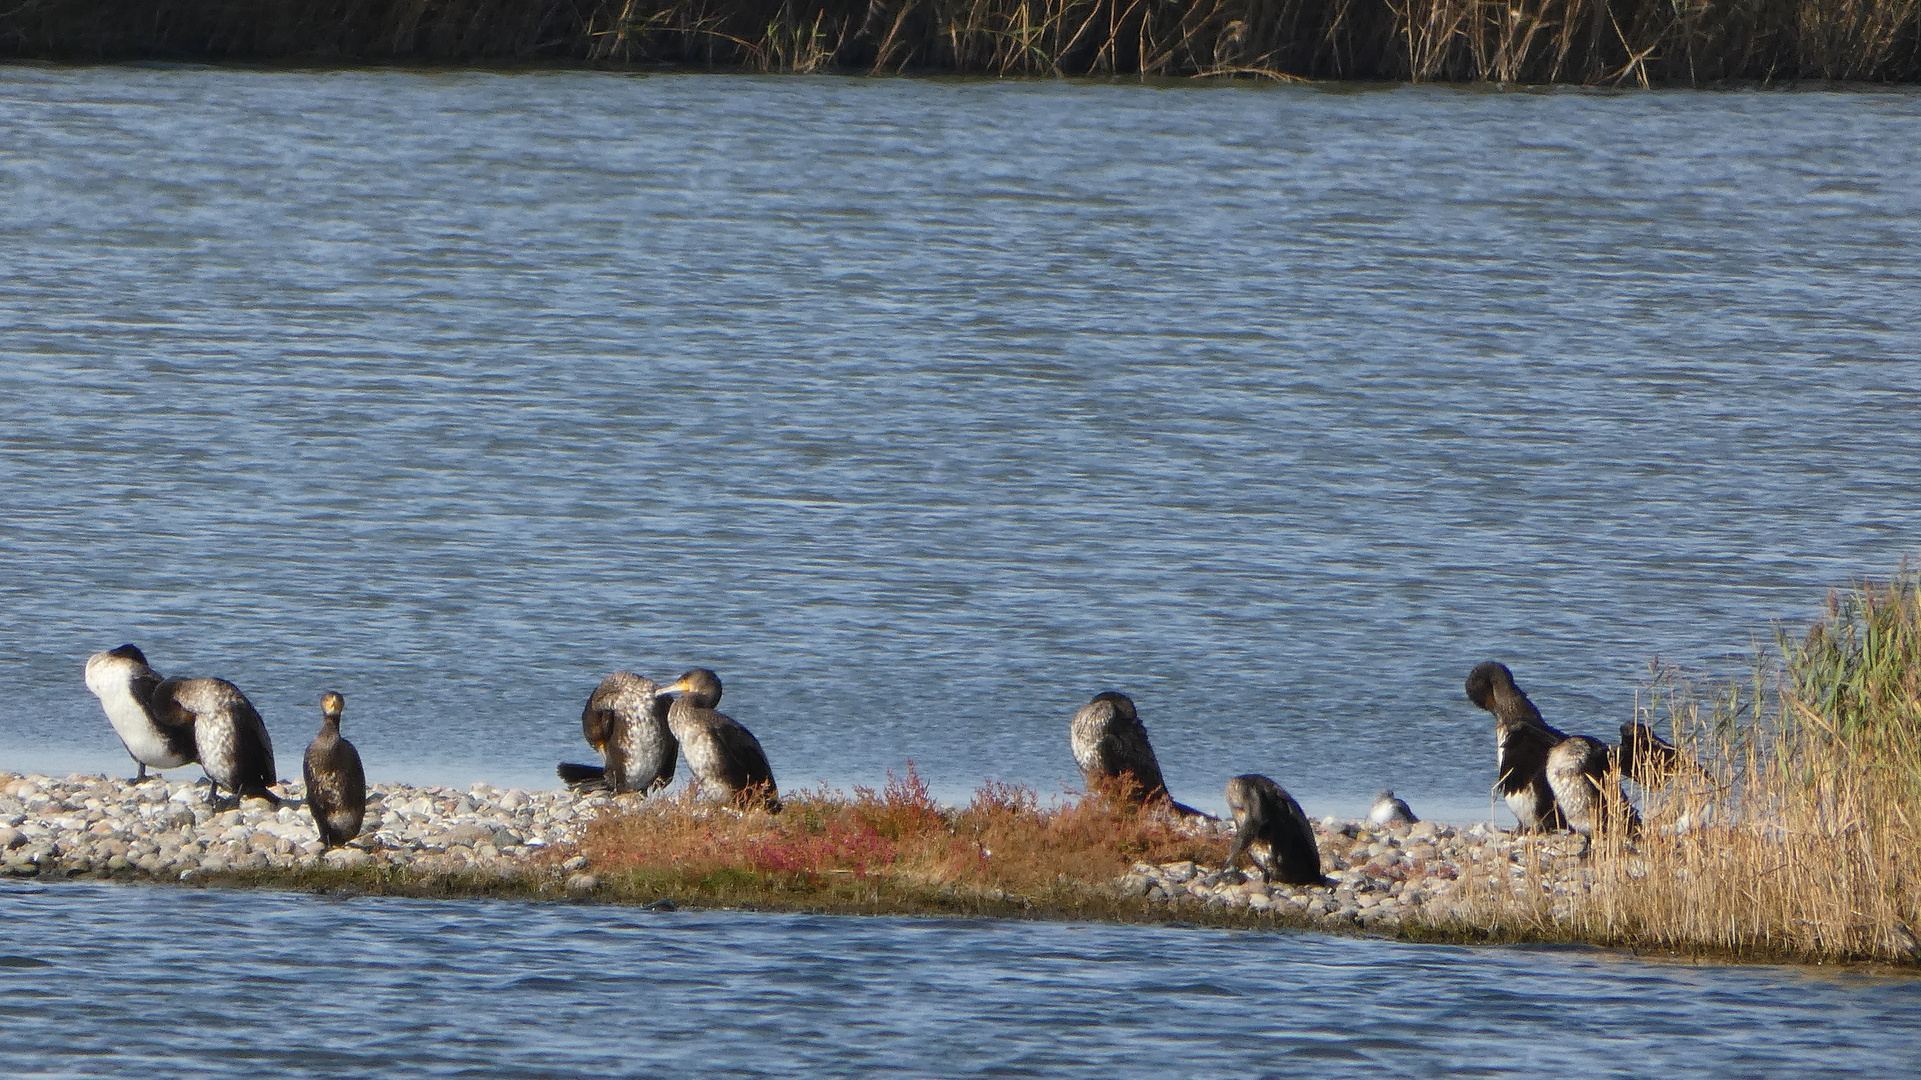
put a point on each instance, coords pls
(1269, 821)
(124, 683)
(1110, 742)
(228, 734)
(336, 784)
(1521, 744)
(721, 754)
(1551, 780)
(626, 720)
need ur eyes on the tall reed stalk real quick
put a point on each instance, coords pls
(1596, 42)
(1798, 835)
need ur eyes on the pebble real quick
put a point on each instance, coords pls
(57, 827)
(1382, 878)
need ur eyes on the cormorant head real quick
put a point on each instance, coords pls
(1123, 705)
(699, 687)
(331, 704)
(1487, 677)
(166, 707)
(129, 652)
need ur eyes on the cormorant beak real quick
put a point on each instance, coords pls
(679, 687)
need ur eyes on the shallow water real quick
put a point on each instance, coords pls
(924, 410)
(290, 985)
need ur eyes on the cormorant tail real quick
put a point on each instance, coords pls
(583, 777)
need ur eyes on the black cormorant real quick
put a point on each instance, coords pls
(723, 756)
(336, 784)
(124, 683)
(626, 720)
(1521, 744)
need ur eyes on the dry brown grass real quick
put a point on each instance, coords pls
(888, 843)
(1799, 840)
(1591, 42)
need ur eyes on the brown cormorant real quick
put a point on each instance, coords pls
(336, 784)
(124, 683)
(1577, 771)
(228, 734)
(723, 756)
(1110, 742)
(1388, 810)
(1521, 744)
(1268, 821)
(626, 720)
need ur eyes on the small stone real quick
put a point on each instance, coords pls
(578, 862)
(582, 883)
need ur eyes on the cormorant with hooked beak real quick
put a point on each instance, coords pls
(336, 783)
(723, 756)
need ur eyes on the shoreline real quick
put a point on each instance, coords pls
(1407, 883)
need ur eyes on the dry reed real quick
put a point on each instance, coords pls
(1795, 839)
(1592, 42)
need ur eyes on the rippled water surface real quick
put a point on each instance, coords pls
(924, 410)
(302, 986)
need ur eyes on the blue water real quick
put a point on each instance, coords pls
(190, 983)
(923, 411)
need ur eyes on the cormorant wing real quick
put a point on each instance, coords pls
(1523, 755)
(742, 756)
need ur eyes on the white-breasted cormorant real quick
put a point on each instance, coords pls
(336, 783)
(626, 720)
(1521, 744)
(124, 683)
(723, 756)
(1273, 828)
(1388, 810)
(228, 734)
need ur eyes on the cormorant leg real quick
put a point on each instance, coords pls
(1233, 853)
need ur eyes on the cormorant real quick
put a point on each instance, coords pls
(1648, 759)
(1267, 817)
(722, 755)
(228, 735)
(336, 784)
(1521, 744)
(124, 683)
(1388, 810)
(626, 720)
(1109, 742)
(1577, 771)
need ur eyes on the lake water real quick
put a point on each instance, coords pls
(214, 983)
(923, 411)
